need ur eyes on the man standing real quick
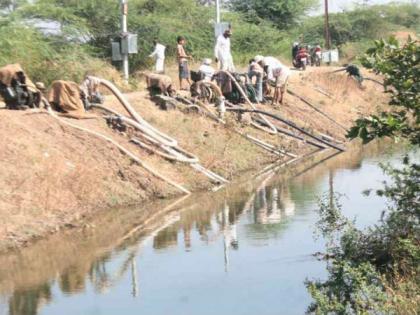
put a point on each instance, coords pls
(184, 71)
(159, 55)
(222, 51)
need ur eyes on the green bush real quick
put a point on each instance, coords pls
(361, 24)
(366, 266)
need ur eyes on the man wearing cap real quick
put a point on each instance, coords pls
(278, 74)
(206, 69)
(222, 51)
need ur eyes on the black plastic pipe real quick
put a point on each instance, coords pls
(287, 122)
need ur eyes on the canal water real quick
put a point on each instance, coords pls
(243, 250)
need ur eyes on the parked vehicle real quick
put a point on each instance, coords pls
(301, 60)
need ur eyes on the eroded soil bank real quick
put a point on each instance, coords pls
(53, 176)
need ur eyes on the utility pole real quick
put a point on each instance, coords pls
(124, 32)
(217, 11)
(327, 28)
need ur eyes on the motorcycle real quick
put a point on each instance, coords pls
(301, 62)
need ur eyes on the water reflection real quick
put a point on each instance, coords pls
(97, 263)
(271, 204)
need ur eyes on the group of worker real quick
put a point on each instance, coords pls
(260, 67)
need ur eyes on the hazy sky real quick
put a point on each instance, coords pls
(340, 5)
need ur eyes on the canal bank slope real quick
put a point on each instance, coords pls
(54, 176)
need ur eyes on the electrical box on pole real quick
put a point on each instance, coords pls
(129, 44)
(116, 51)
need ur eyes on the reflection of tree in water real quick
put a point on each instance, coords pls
(72, 280)
(28, 302)
(166, 238)
(99, 275)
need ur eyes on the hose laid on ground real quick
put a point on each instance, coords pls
(316, 109)
(120, 147)
(291, 134)
(320, 90)
(268, 147)
(376, 81)
(287, 122)
(272, 129)
(218, 92)
(180, 156)
(265, 122)
(155, 136)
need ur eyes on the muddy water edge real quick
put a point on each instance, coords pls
(245, 249)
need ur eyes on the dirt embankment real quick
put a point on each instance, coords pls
(52, 175)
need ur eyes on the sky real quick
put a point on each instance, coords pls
(340, 5)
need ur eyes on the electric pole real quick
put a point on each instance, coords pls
(327, 28)
(217, 11)
(124, 13)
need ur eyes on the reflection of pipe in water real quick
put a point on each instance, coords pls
(226, 253)
(225, 222)
(134, 282)
(230, 237)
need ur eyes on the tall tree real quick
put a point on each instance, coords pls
(283, 13)
(10, 5)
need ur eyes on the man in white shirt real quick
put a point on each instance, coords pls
(206, 69)
(222, 51)
(277, 73)
(159, 55)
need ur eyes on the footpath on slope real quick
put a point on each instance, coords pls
(53, 176)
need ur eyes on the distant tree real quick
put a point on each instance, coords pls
(11, 5)
(206, 2)
(282, 13)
